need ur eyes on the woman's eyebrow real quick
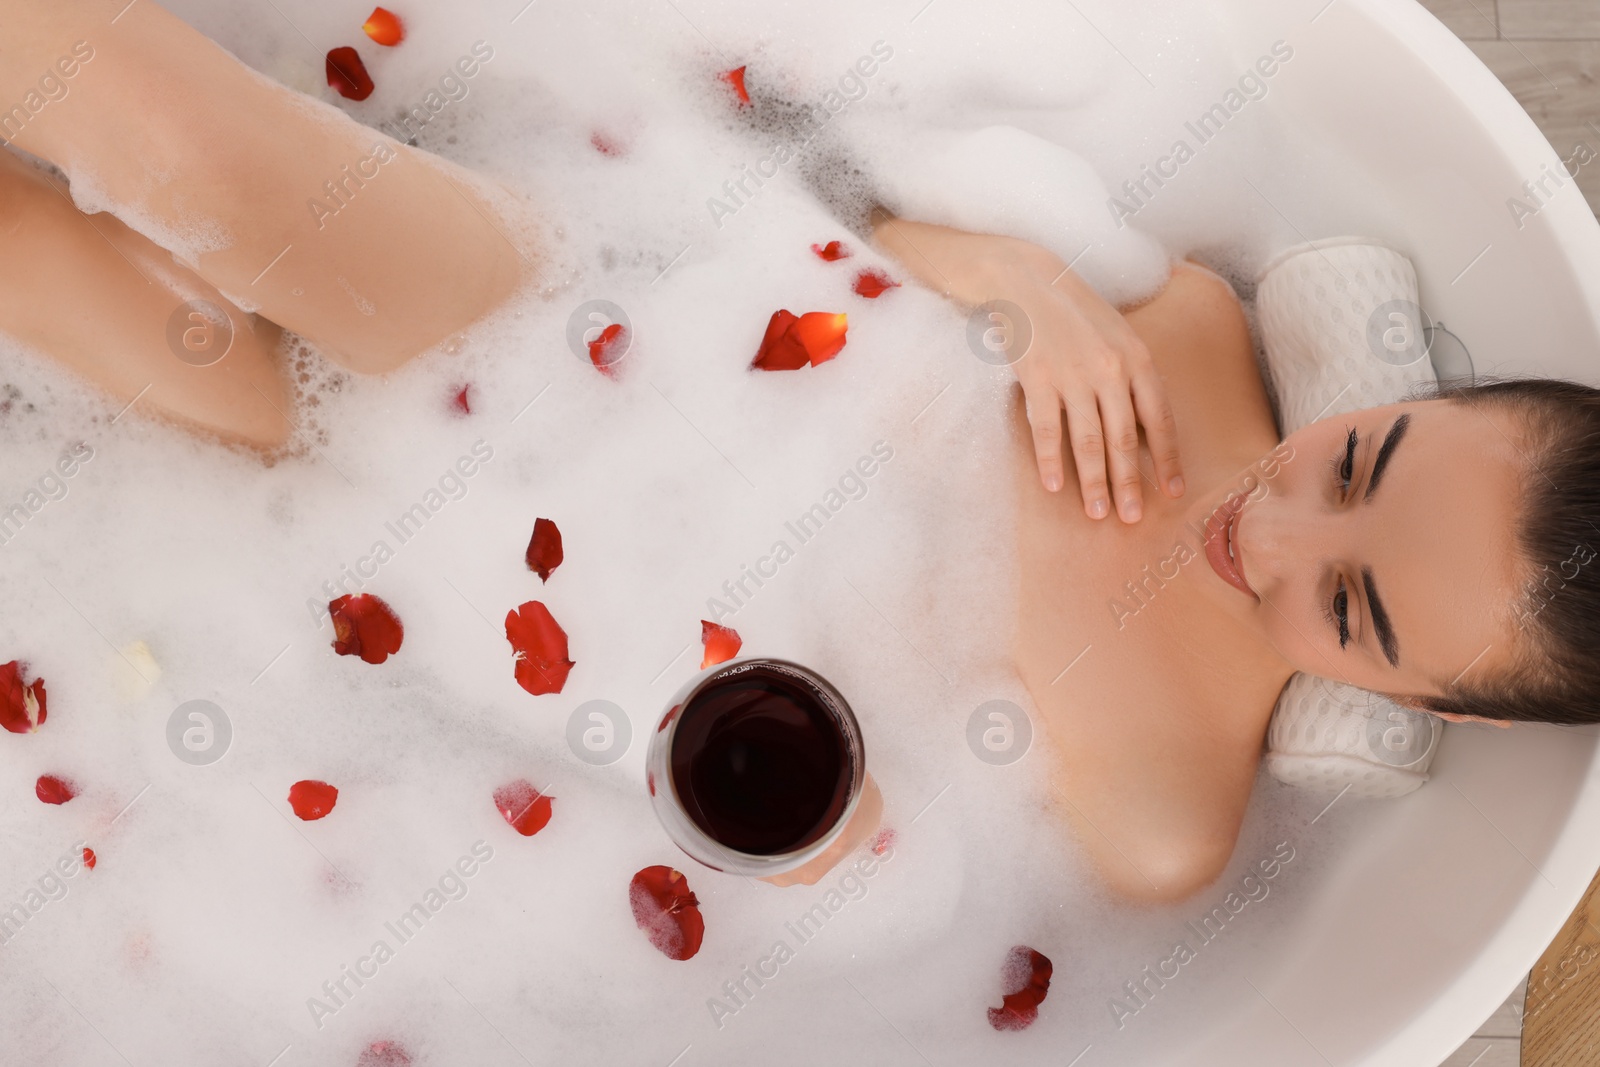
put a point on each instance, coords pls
(1396, 431)
(1380, 617)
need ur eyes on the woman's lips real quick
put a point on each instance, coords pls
(1222, 532)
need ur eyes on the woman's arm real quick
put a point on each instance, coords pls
(189, 146)
(1082, 357)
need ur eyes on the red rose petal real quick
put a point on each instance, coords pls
(22, 706)
(873, 283)
(53, 790)
(347, 75)
(384, 1054)
(792, 341)
(365, 626)
(780, 350)
(821, 334)
(721, 643)
(604, 145)
(833, 251)
(524, 807)
(463, 402)
(667, 911)
(544, 550)
(541, 648)
(312, 799)
(735, 78)
(608, 348)
(1025, 980)
(384, 27)
(89, 858)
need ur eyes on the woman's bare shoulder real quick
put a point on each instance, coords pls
(1200, 340)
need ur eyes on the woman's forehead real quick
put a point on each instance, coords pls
(1444, 552)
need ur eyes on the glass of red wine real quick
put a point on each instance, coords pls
(757, 766)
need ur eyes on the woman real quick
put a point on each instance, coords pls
(1157, 716)
(1404, 549)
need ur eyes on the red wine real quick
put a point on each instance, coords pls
(761, 762)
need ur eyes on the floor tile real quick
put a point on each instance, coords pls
(1549, 19)
(1467, 19)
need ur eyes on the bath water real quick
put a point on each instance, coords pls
(870, 496)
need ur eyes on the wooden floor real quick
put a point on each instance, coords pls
(1547, 52)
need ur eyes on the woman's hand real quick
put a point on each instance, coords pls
(1086, 362)
(1083, 360)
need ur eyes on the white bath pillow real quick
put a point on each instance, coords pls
(1327, 735)
(1341, 330)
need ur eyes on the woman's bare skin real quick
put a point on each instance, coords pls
(1156, 666)
(1155, 726)
(1157, 729)
(76, 287)
(152, 122)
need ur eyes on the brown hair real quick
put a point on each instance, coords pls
(1556, 677)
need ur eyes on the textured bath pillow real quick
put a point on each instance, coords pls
(1326, 310)
(1327, 735)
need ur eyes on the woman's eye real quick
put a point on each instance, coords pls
(1344, 467)
(1341, 611)
(1347, 470)
(1337, 611)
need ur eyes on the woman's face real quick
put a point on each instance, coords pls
(1381, 552)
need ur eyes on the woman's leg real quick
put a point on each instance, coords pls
(220, 164)
(104, 301)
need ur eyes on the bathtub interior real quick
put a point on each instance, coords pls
(1400, 925)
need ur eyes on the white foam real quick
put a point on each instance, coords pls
(214, 915)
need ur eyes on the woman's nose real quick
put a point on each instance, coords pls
(1278, 537)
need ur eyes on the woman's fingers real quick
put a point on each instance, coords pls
(1103, 375)
(1088, 450)
(1044, 416)
(1160, 429)
(1121, 432)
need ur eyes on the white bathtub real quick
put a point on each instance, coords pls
(1426, 926)
(1419, 930)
